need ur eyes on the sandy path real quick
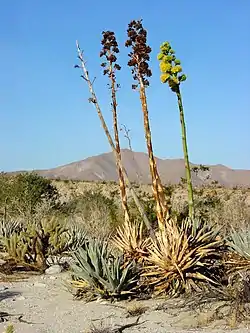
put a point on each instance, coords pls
(45, 301)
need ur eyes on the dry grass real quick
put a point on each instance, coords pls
(229, 302)
(135, 310)
(220, 205)
(101, 329)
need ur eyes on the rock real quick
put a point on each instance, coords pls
(20, 298)
(53, 277)
(2, 262)
(2, 288)
(206, 317)
(55, 269)
(39, 284)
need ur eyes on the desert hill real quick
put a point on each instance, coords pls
(103, 168)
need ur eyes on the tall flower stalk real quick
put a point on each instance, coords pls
(171, 73)
(109, 51)
(139, 57)
(93, 99)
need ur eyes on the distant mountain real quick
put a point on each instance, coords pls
(103, 168)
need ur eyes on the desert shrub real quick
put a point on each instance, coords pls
(235, 212)
(7, 229)
(96, 269)
(228, 302)
(99, 214)
(36, 242)
(32, 244)
(222, 207)
(135, 310)
(10, 329)
(148, 203)
(21, 194)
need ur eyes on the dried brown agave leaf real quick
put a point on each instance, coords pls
(131, 241)
(180, 256)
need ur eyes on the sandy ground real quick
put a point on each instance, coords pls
(48, 307)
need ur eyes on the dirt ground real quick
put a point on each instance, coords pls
(48, 307)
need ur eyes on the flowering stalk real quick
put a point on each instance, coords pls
(109, 51)
(93, 99)
(139, 57)
(172, 74)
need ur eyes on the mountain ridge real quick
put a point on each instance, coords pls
(103, 168)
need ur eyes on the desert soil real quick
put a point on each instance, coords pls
(48, 307)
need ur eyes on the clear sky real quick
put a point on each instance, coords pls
(45, 116)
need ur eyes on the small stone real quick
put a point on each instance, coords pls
(39, 284)
(2, 262)
(20, 298)
(102, 301)
(55, 269)
(2, 288)
(53, 277)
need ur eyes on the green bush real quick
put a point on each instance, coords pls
(33, 243)
(99, 214)
(20, 195)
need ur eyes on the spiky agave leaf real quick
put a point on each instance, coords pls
(120, 280)
(105, 275)
(131, 241)
(88, 265)
(76, 237)
(239, 244)
(181, 256)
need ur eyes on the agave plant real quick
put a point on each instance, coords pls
(105, 275)
(131, 241)
(239, 244)
(183, 255)
(76, 237)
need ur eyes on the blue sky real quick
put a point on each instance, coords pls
(46, 119)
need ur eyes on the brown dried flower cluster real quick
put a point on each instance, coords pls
(139, 56)
(109, 51)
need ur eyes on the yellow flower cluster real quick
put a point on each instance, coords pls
(171, 70)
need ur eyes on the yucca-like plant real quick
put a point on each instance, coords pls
(171, 73)
(76, 237)
(239, 244)
(95, 268)
(130, 239)
(182, 256)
